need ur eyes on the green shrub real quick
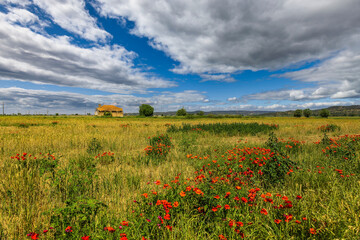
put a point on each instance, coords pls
(107, 114)
(80, 214)
(181, 112)
(329, 128)
(231, 129)
(146, 110)
(307, 112)
(159, 146)
(94, 146)
(324, 113)
(298, 113)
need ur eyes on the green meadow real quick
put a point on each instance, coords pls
(80, 177)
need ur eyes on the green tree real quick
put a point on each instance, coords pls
(201, 113)
(107, 114)
(181, 112)
(146, 110)
(307, 112)
(324, 113)
(298, 113)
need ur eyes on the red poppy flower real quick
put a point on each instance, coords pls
(264, 211)
(277, 221)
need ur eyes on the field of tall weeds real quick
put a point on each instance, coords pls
(167, 178)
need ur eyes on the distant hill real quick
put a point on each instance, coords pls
(353, 110)
(244, 113)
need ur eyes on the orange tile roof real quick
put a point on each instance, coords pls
(110, 108)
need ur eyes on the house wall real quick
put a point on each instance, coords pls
(114, 114)
(117, 114)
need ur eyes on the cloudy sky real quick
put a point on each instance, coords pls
(67, 56)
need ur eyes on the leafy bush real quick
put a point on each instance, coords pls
(307, 112)
(181, 112)
(324, 113)
(146, 110)
(77, 179)
(278, 165)
(329, 128)
(298, 113)
(43, 163)
(159, 146)
(107, 114)
(230, 129)
(81, 213)
(94, 146)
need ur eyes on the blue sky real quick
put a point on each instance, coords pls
(69, 56)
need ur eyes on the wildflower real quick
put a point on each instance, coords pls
(68, 229)
(110, 229)
(123, 236)
(217, 197)
(277, 221)
(33, 235)
(85, 238)
(244, 200)
(222, 237)
(312, 231)
(45, 231)
(231, 223)
(183, 194)
(227, 207)
(264, 211)
(239, 224)
(145, 195)
(169, 227)
(214, 209)
(298, 197)
(124, 223)
(167, 217)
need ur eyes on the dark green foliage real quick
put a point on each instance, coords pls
(146, 110)
(329, 128)
(298, 113)
(324, 113)
(107, 114)
(94, 146)
(80, 214)
(201, 113)
(181, 112)
(230, 129)
(277, 167)
(307, 112)
(77, 179)
(159, 146)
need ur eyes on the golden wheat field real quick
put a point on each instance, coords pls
(80, 177)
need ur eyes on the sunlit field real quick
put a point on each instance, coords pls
(176, 178)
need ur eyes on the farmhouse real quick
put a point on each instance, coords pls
(115, 111)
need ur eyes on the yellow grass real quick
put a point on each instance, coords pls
(117, 182)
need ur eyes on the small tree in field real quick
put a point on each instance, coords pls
(298, 113)
(181, 112)
(307, 112)
(201, 113)
(146, 110)
(324, 113)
